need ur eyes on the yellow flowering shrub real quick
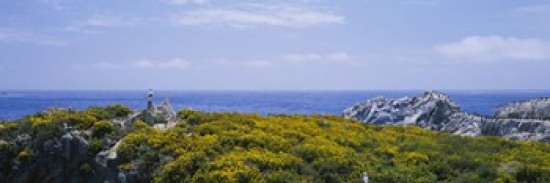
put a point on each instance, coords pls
(230, 147)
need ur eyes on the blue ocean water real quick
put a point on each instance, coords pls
(16, 104)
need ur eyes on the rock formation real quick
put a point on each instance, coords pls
(436, 111)
(531, 109)
(58, 159)
(162, 114)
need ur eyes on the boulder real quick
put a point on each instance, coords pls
(166, 110)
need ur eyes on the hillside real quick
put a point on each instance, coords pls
(230, 147)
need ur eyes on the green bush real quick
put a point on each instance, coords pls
(118, 111)
(96, 146)
(186, 113)
(102, 128)
(46, 130)
(109, 112)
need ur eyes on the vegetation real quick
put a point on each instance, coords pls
(102, 128)
(228, 147)
(50, 124)
(110, 112)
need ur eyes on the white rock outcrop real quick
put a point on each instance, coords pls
(531, 109)
(436, 111)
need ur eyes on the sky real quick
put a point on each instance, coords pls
(274, 45)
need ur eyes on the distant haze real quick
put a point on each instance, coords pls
(274, 45)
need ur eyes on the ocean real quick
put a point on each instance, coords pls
(16, 104)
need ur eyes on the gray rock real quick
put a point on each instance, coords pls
(430, 110)
(160, 114)
(436, 111)
(166, 110)
(66, 140)
(531, 109)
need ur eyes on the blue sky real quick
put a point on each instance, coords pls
(274, 45)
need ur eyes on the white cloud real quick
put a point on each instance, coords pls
(176, 63)
(172, 64)
(302, 57)
(182, 2)
(259, 63)
(490, 48)
(79, 29)
(111, 21)
(19, 36)
(225, 62)
(309, 57)
(143, 63)
(91, 24)
(255, 15)
(341, 56)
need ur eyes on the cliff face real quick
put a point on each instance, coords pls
(436, 111)
(65, 158)
(531, 109)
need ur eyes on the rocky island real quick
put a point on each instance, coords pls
(436, 111)
(156, 144)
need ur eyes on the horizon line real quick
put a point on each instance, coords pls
(270, 90)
